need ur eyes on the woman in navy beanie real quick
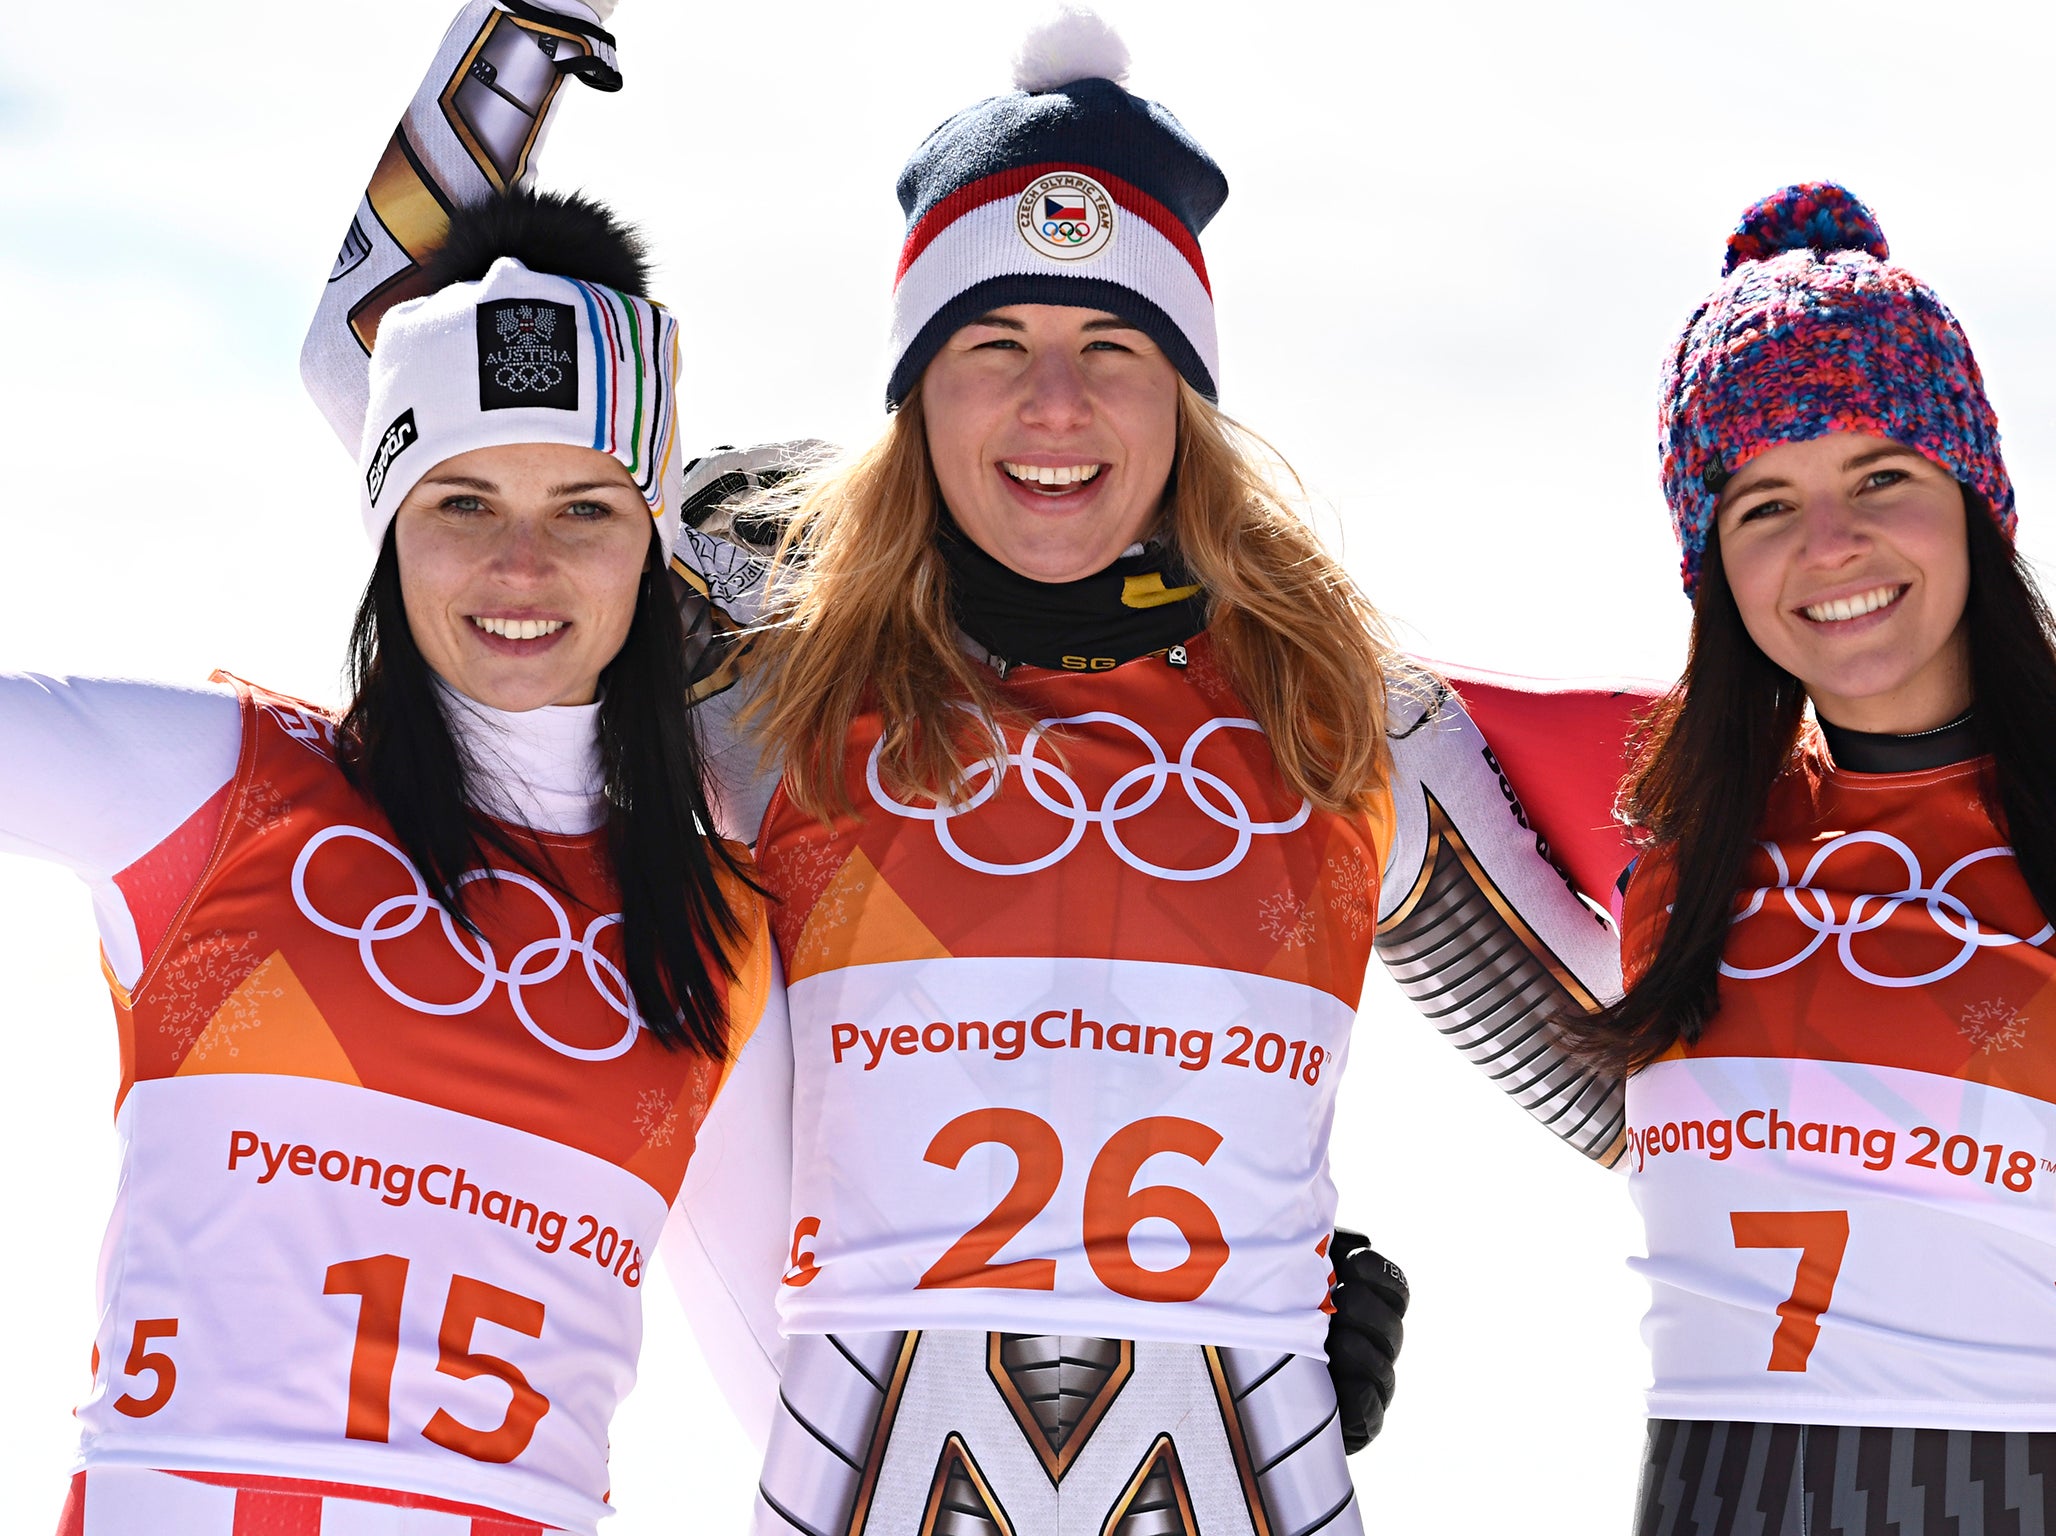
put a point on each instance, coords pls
(1086, 783)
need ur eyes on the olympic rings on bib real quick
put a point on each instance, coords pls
(1816, 912)
(1207, 792)
(408, 909)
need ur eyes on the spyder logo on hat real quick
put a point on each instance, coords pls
(527, 355)
(399, 437)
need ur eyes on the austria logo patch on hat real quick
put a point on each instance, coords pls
(1067, 216)
(527, 355)
(553, 360)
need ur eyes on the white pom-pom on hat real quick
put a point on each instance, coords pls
(1074, 44)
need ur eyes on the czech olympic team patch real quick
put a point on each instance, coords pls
(1067, 216)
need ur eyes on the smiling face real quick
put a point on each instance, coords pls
(1849, 563)
(520, 567)
(1052, 432)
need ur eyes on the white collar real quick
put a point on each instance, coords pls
(537, 768)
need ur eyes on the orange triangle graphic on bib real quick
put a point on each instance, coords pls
(861, 920)
(269, 1024)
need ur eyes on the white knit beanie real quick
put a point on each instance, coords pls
(523, 357)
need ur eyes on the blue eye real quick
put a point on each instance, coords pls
(462, 504)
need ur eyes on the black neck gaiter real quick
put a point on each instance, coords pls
(1139, 605)
(1875, 752)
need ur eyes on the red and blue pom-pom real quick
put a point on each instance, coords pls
(1809, 215)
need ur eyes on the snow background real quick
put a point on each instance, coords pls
(1461, 237)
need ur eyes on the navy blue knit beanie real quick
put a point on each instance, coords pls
(1067, 190)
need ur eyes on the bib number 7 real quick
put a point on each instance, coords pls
(1821, 1238)
(1113, 1207)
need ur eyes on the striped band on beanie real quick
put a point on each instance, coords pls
(523, 357)
(1068, 190)
(1812, 331)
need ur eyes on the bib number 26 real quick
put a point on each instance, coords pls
(1113, 1207)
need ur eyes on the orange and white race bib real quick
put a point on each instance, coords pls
(390, 1188)
(1065, 1054)
(1849, 1180)
(334, 1272)
(1824, 1235)
(1113, 1147)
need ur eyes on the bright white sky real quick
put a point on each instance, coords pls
(1460, 239)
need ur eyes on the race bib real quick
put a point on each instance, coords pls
(316, 1279)
(1126, 1148)
(1841, 1243)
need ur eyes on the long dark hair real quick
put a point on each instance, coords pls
(676, 920)
(1709, 751)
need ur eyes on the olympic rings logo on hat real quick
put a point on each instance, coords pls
(396, 916)
(1201, 787)
(1066, 215)
(1951, 915)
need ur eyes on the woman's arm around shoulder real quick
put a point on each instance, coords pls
(1481, 919)
(729, 1242)
(475, 126)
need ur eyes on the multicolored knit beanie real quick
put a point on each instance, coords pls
(1813, 330)
(1068, 190)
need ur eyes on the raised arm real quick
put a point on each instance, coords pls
(474, 127)
(1480, 921)
(123, 783)
(1565, 744)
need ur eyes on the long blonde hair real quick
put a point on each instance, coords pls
(860, 618)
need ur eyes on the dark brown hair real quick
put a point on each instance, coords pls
(1709, 751)
(677, 883)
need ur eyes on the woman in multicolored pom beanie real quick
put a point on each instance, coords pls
(1842, 1113)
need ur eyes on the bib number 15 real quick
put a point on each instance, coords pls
(380, 1284)
(1113, 1207)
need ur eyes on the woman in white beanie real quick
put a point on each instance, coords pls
(1084, 779)
(424, 1005)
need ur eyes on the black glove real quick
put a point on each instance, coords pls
(595, 64)
(1364, 1335)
